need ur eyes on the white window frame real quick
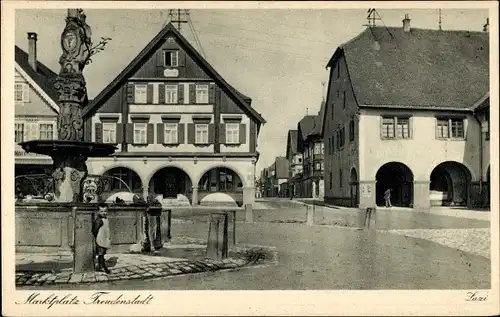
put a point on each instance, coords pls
(201, 133)
(41, 130)
(109, 132)
(170, 133)
(202, 93)
(171, 94)
(17, 131)
(232, 133)
(175, 61)
(23, 88)
(317, 149)
(140, 93)
(140, 133)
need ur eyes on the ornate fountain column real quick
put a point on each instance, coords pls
(70, 170)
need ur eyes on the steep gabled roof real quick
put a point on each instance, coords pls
(146, 53)
(291, 143)
(482, 104)
(428, 69)
(306, 126)
(43, 77)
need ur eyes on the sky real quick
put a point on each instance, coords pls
(275, 56)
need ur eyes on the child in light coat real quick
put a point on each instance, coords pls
(100, 230)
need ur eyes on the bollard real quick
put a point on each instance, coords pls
(369, 215)
(83, 241)
(231, 228)
(248, 213)
(310, 215)
(217, 246)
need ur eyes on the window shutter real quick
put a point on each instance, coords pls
(191, 133)
(211, 93)
(151, 133)
(119, 133)
(211, 133)
(243, 133)
(180, 92)
(222, 133)
(160, 58)
(34, 131)
(150, 94)
(192, 93)
(98, 132)
(160, 133)
(129, 133)
(161, 94)
(130, 93)
(181, 58)
(180, 133)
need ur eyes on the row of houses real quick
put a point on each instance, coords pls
(406, 109)
(182, 131)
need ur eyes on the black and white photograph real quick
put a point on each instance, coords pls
(176, 146)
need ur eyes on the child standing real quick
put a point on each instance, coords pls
(100, 230)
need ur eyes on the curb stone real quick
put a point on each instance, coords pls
(247, 258)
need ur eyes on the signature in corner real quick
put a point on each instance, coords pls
(476, 297)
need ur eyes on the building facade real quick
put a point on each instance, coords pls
(310, 144)
(182, 132)
(294, 159)
(401, 115)
(36, 108)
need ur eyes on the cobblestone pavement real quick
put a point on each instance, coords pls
(473, 240)
(135, 266)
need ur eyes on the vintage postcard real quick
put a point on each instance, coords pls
(249, 158)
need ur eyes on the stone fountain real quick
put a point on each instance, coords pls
(69, 153)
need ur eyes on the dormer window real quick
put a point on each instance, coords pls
(171, 58)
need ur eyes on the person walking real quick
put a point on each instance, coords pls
(387, 198)
(101, 232)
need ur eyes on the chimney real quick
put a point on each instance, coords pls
(406, 23)
(486, 27)
(32, 37)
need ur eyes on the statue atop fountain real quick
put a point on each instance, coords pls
(69, 153)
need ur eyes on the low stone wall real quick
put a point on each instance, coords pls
(49, 227)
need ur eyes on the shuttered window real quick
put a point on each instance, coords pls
(171, 94)
(171, 133)
(201, 93)
(140, 133)
(201, 131)
(232, 133)
(109, 132)
(141, 93)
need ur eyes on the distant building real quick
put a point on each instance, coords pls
(36, 108)
(281, 166)
(408, 110)
(183, 133)
(310, 144)
(294, 158)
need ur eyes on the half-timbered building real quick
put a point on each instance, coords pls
(182, 131)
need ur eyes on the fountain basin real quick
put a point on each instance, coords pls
(63, 148)
(49, 227)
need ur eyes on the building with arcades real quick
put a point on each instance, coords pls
(408, 109)
(181, 130)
